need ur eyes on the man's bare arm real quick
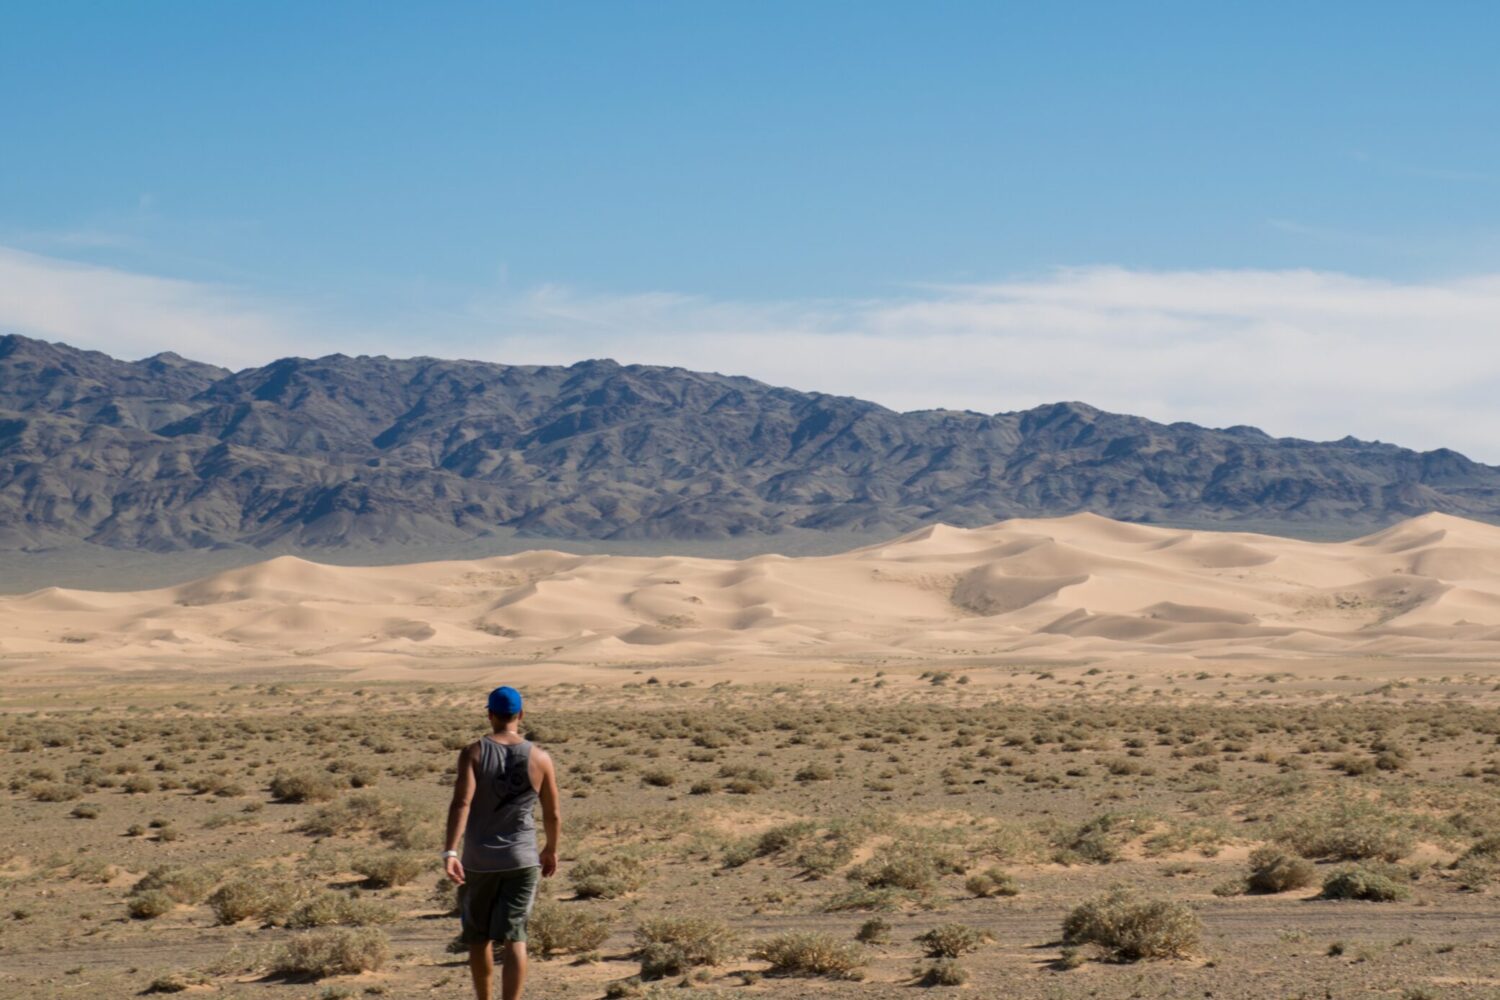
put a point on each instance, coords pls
(458, 810)
(551, 813)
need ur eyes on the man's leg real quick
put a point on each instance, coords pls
(512, 969)
(482, 964)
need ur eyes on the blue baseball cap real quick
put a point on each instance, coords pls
(505, 701)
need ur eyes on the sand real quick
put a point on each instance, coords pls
(1064, 589)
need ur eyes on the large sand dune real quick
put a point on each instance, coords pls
(1080, 586)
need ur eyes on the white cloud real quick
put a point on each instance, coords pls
(134, 315)
(1302, 353)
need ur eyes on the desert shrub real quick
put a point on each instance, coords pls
(1206, 837)
(95, 870)
(990, 882)
(363, 811)
(1479, 865)
(1354, 765)
(815, 772)
(670, 946)
(305, 786)
(803, 953)
(185, 884)
(337, 909)
(149, 905)
(54, 791)
(607, 878)
(1349, 831)
(216, 784)
(915, 867)
(177, 982)
(1377, 884)
(343, 951)
(746, 780)
(942, 972)
(383, 869)
(554, 927)
(85, 810)
(1099, 841)
(1274, 870)
(1129, 929)
(659, 778)
(874, 931)
(139, 784)
(267, 896)
(952, 940)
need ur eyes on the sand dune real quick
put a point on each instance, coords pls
(1073, 586)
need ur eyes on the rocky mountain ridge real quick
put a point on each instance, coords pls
(169, 454)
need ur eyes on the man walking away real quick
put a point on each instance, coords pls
(500, 779)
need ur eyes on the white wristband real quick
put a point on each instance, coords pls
(450, 854)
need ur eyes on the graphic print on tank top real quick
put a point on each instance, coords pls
(512, 778)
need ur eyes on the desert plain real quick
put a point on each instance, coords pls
(1043, 759)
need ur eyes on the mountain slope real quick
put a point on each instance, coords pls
(169, 454)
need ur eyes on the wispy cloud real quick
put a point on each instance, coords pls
(133, 315)
(1302, 353)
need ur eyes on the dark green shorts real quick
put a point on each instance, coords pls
(493, 906)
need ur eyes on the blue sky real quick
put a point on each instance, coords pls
(739, 185)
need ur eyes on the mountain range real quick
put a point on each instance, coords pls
(168, 454)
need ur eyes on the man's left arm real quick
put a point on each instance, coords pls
(551, 814)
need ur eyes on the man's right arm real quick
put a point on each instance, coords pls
(458, 812)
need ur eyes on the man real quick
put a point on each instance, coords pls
(500, 780)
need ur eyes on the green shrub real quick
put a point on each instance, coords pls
(149, 905)
(670, 946)
(1130, 929)
(1353, 830)
(607, 878)
(383, 869)
(555, 927)
(874, 931)
(1365, 882)
(177, 982)
(337, 909)
(357, 813)
(803, 953)
(344, 951)
(1101, 840)
(943, 972)
(305, 786)
(991, 882)
(185, 884)
(1273, 870)
(952, 940)
(267, 896)
(914, 867)
(54, 791)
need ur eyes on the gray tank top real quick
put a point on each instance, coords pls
(501, 833)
